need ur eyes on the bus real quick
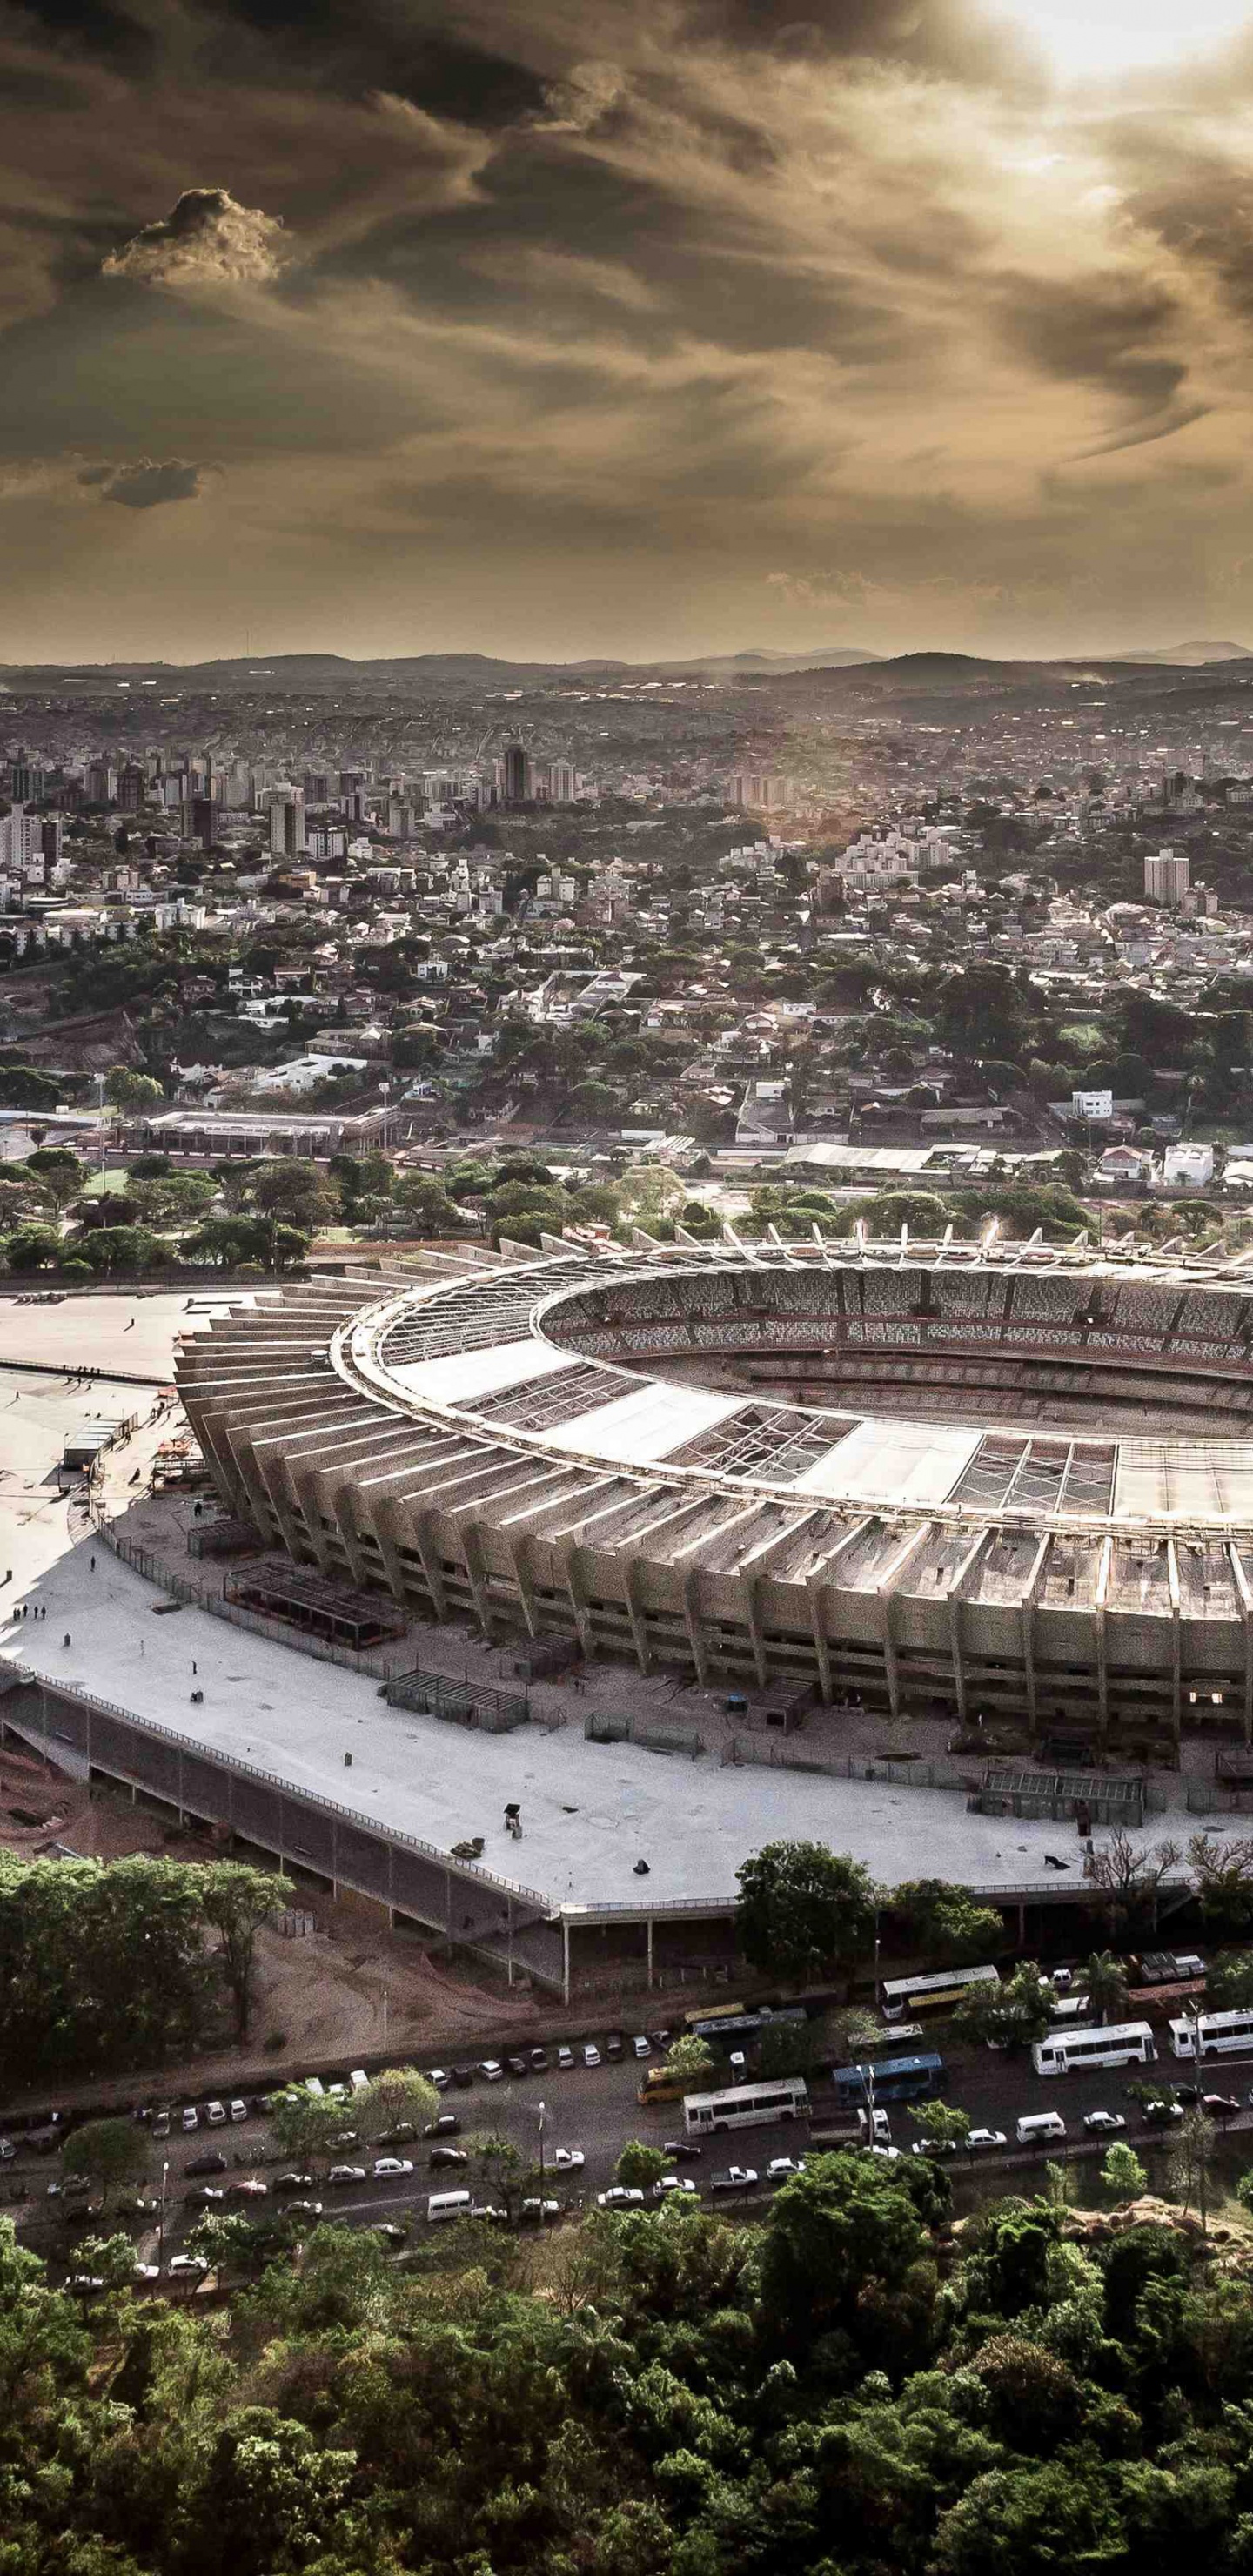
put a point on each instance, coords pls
(892, 2079)
(660, 2086)
(747, 2106)
(728, 2029)
(710, 2012)
(1217, 2034)
(1069, 2052)
(1069, 2010)
(936, 1993)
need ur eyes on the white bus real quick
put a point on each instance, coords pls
(935, 1993)
(1220, 2034)
(1068, 2052)
(747, 2106)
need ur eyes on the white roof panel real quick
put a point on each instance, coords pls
(1184, 1480)
(462, 1375)
(894, 1462)
(644, 1424)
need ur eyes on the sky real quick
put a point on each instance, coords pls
(558, 328)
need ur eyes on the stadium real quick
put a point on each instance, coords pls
(1010, 1485)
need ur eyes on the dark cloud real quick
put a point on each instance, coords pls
(116, 34)
(145, 485)
(1103, 331)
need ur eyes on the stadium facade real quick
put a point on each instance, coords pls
(1008, 1484)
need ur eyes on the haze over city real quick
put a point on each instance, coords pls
(632, 328)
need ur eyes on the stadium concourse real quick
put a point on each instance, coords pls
(1031, 1504)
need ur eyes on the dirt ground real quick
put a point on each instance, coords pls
(347, 1990)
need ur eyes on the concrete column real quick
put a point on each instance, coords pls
(649, 1930)
(571, 1573)
(1176, 1642)
(431, 1554)
(817, 1595)
(1102, 1665)
(752, 1603)
(519, 1557)
(633, 1587)
(565, 1958)
(695, 1631)
(1245, 1598)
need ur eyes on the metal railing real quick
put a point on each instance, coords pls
(376, 1662)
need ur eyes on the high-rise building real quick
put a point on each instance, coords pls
(757, 790)
(519, 784)
(1166, 874)
(132, 788)
(199, 820)
(287, 822)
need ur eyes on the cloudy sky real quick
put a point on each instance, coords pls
(562, 327)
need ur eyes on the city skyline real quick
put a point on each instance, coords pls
(642, 332)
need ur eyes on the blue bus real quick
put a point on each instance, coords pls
(893, 2079)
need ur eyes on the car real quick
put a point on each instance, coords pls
(491, 2070)
(1104, 2123)
(890, 2155)
(293, 2182)
(668, 2184)
(237, 2107)
(568, 2159)
(391, 2234)
(875, 2124)
(980, 2138)
(620, 2195)
(736, 2178)
(146, 2272)
(546, 2210)
(442, 2156)
(207, 2195)
(614, 2046)
(337, 2092)
(447, 2126)
(401, 2134)
(191, 2118)
(462, 2076)
(346, 2173)
(1219, 2106)
(187, 2267)
(780, 2168)
(211, 2162)
(161, 2125)
(1156, 2114)
(486, 2209)
(517, 2065)
(215, 2114)
(537, 2059)
(84, 2283)
(385, 2167)
(642, 2047)
(439, 2077)
(682, 2151)
(304, 2209)
(565, 2058)
(343, 2138)
(70, 2187)
(250, 2187)
(591, 2053)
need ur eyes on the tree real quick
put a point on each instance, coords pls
(296, 1194)
(1104, 1982)
(1122, 2173)
(1224, 1883)
(173, 1198)
(33, 1247)
(690, 2059)
(639, 2166)
(110, 1249)
(942, 2125)
(803, 1910)
(843, 2224)
(1129, 1879)
(307, 2126)
(501, 2166)
(1190, 2163)
(109, 2154)
(1010, 2015)
(1229, 1981)
(60, 1174)
(398, 2094)
(946, 1922)
(237, 1901)
(228, 2240)
(124, 1089)
(784, 2048)
(425, 1206)
(110, 2259)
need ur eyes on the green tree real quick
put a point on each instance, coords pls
(110, 2259)
(845, 2223)
(59, 1172)
(639, 2166)
(1190, 2163)
(501, 2167)
(1104, 1982)
(307, 2126)
(1122, 2173)
(1010, 2015)
(942, 2125)
(112, 2155)
(294, 1193)
(397, 2095)
(690, 2059)
(124, 1089)
(946, 1923)
(784, 2048)
(1229, 1981)
(111, 1249)
(32, 1247)
(804, 1911)
(236, 1902)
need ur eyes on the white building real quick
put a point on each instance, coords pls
(1166, 874)
(1187, 1167)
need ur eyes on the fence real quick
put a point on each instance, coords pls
(773, 1753)
(600, 1729)
(460, 1703)
(379, 1662)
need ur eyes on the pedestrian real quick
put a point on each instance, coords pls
(195, 1666)
(66, 1639)
(93, 1565)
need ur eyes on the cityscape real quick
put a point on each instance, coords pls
(626, 1289)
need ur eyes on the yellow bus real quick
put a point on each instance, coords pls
(660, 2086)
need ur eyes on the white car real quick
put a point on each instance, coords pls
(591, 2053)
(736, 2178)
(568, 2159)
(565, 2058)
(891, 2155)
(385, 2166)
(987, 2138)
(146, 2272)
(191, 2117)
(781, 2167)
(544, 2210)
(934, 2147)
(215, 2114)
(1105, 2123)
(642, 2047)
(347, 2173)
(238, 2109)
(671, 2183)
(187, 2267)
(491, 2070)
(439, 2077)
(620, 2195)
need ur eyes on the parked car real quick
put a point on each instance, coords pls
(667, 2185)
(401, 2134)
(462, 2076)
(439, 2077)
(1158, 2114)
(250, 2187)
(537, 2059)
(206, 2195)
(442, 2156)
(215, 2114)
(346, 2173)
(84, 2284)
(1219, 2106)
(620, 2195)
(614, 2046)
(161, 2125)
(591, 2053)
(541, 2211)
(979, 2138)
(390, 2233)
(642, 2047)
(683, 2151)
(187, 2267)
(146, 2272)
(1104, 2123)
(237, 2107)
(517, 2065)
(781, 2168)
(491, 2070)
(191, 2118)
(568, 2159)
(211, 2162)
(565, 2058)
(304, 2209)
(446, 2126)
(736, 2178)
(293, 2182)
(386, 2167)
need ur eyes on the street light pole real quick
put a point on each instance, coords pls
(539, 2122)
(165, 2176)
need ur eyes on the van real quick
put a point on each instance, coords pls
(313, 2084)
(875, 2126)
(1038, 2126)
(359, 2080)
(448, 2204)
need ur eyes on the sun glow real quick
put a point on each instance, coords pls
(1097, 39)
